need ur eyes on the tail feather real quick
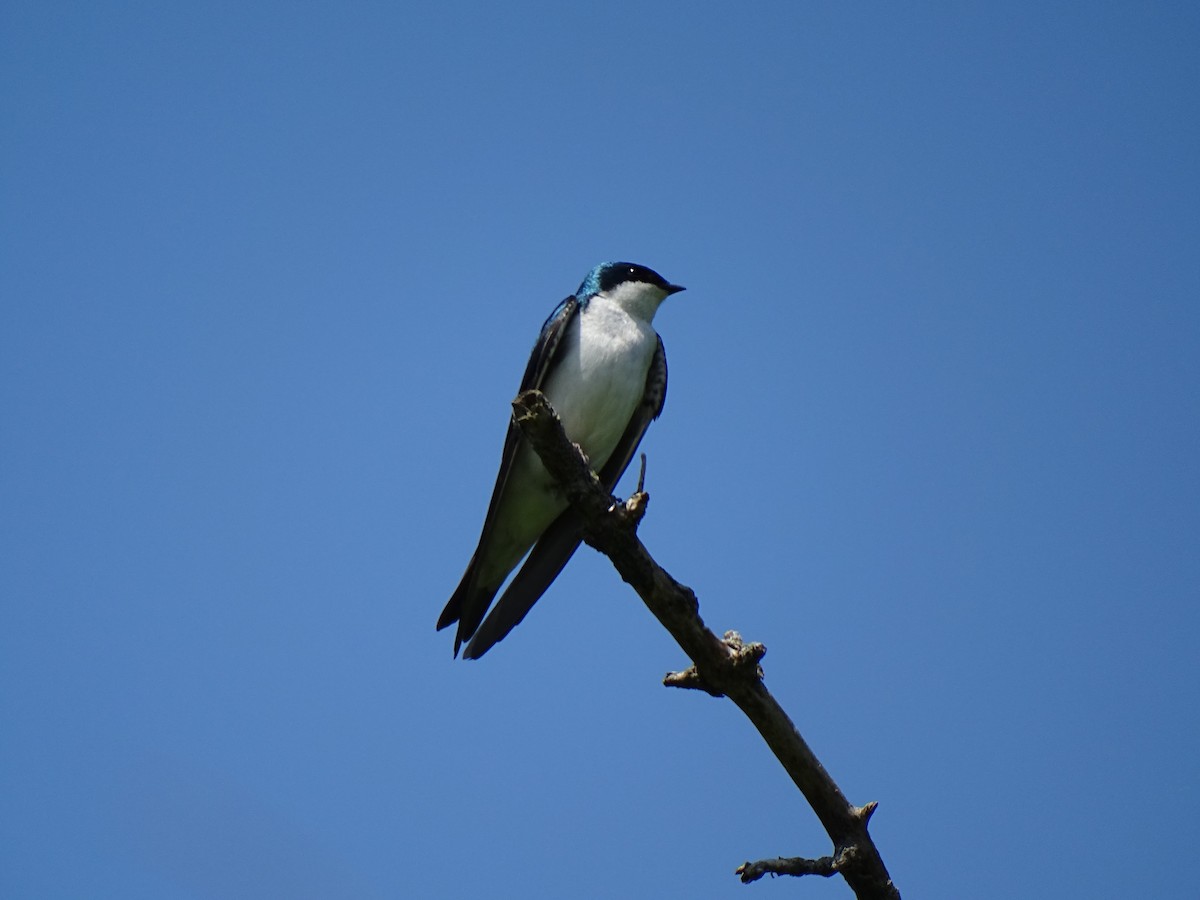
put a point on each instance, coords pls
(467, 606)
(548, 557)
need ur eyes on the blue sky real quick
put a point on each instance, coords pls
(269, 278)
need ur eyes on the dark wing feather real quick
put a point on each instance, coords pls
(647, 411)
(560, 541)
(469, 602)
(541, 362)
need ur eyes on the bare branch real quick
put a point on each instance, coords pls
(726, 667)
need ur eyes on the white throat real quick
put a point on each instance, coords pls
(636, 298)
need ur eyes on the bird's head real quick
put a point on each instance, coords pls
(635, 288)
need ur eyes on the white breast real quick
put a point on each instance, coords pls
(602, 376)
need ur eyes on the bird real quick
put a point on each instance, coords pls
(603, 368)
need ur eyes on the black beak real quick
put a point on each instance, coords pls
(675, 289)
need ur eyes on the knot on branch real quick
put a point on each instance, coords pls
(744, 656)
(633, 509)
(739, 662)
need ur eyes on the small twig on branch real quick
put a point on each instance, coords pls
(721, 667)
(793, 865)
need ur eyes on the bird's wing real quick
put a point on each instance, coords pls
(647, 411)
(470, 601)
(541, 362)
(559, 542)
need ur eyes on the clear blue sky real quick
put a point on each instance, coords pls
(269, 275)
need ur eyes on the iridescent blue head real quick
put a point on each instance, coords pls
(609, 275)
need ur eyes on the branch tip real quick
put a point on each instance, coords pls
(864, 813)
(635, 507)
(690, 679)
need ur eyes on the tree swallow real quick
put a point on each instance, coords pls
(603, 368)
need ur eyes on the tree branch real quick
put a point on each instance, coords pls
(726, 667)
